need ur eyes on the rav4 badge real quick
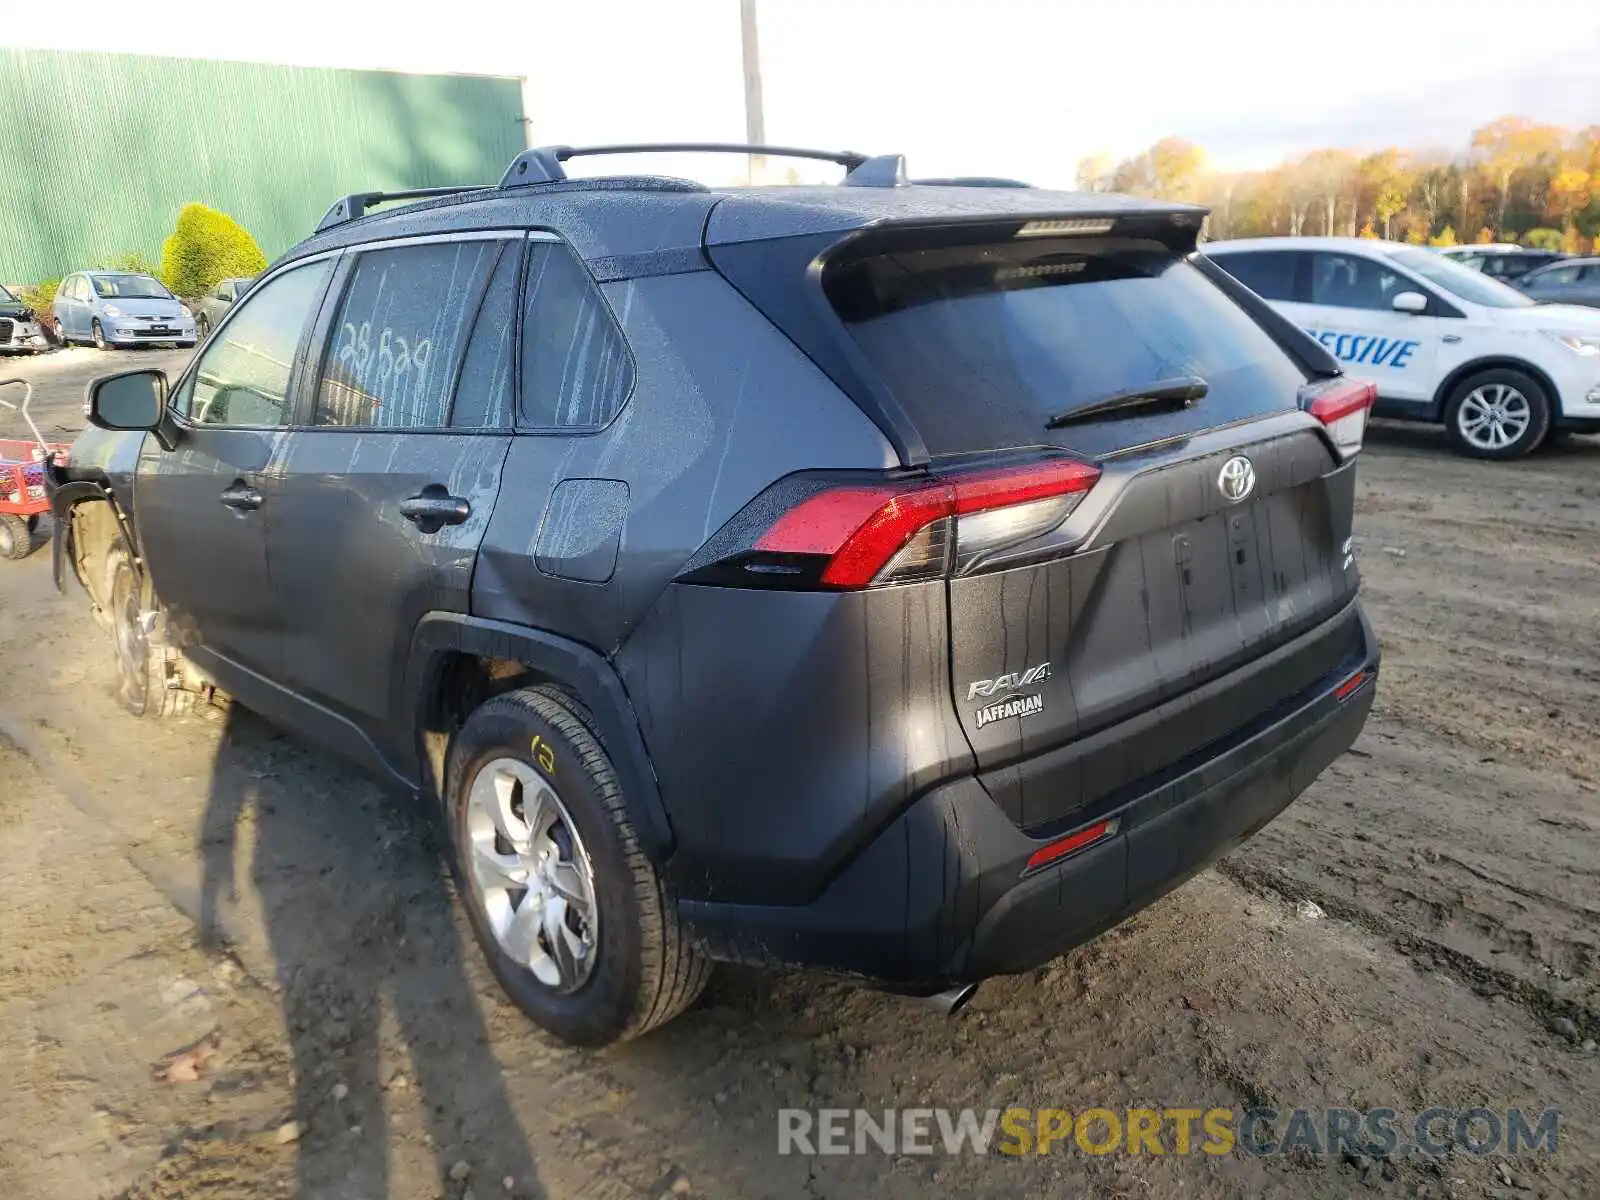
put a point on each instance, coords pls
(1008, 683)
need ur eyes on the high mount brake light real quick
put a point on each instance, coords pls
(854, 535)
(1343, 408)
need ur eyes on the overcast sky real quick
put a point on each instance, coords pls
(1016, 87)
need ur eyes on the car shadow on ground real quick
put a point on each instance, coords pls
(1416, 437)
(359, 919)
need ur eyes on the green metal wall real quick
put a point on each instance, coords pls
(99, 151)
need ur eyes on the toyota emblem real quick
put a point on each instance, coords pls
(1237, 479)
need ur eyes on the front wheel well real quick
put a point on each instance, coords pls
(92, 531)
(1447, 387)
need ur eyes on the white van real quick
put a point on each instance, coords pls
(1442, 342)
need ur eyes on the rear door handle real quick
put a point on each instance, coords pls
(242, 496)
(433, 508)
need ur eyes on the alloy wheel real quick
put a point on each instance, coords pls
(532, 874)
(1494, 416)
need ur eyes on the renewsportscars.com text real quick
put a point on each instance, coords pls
(1264, 1132)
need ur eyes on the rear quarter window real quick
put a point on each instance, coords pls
(983, 345)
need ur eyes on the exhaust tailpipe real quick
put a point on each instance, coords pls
(948, 1003)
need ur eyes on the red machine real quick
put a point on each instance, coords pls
(22, 491)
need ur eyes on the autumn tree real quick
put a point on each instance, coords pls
(1328, 176)
(1510, 145)
(1384, 184)
(1094, 172)
(1570, 191)
(1515, 174)
(1172, 169)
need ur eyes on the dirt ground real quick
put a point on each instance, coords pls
(205, 897)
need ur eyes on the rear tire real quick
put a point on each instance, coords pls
(533, 747)
(1499, 414)
(16, 537)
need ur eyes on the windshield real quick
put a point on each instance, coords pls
(131, 287)
(1462, 281)
(5, 295)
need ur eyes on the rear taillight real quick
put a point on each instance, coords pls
(848, 535)
(1342, 406)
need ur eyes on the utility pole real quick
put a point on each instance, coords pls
(754, 125)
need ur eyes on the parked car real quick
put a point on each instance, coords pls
(1574, 281)
(19, 326)
(1441, 341)
(116, 308)
(757, 575)
(1505, 263)
(214, 305)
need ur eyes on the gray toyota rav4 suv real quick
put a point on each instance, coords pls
(903, 580)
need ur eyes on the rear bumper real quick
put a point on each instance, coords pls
(940, 896)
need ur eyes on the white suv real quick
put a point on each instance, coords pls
(1441, 341)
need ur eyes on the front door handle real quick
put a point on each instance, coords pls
(242, 497)
(433, 508)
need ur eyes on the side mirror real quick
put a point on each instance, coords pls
(130, 401)
(1411, 302)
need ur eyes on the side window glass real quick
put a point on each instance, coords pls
(577, 371)
(1268, 273)
(224, 291)
(242, 378)
(399, 333)
(483, 391)
(1347, 281)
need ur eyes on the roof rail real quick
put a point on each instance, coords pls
(356, 204)
(543, 163)
(995, 181)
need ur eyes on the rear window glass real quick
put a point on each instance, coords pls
(983, 345)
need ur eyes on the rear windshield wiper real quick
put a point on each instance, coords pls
(1176, 393)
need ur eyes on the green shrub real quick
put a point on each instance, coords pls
(134, 261)
(1543, 239)
(39, 298)
(207, 247)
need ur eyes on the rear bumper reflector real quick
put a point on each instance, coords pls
(1352, 685)
(1062, 847)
